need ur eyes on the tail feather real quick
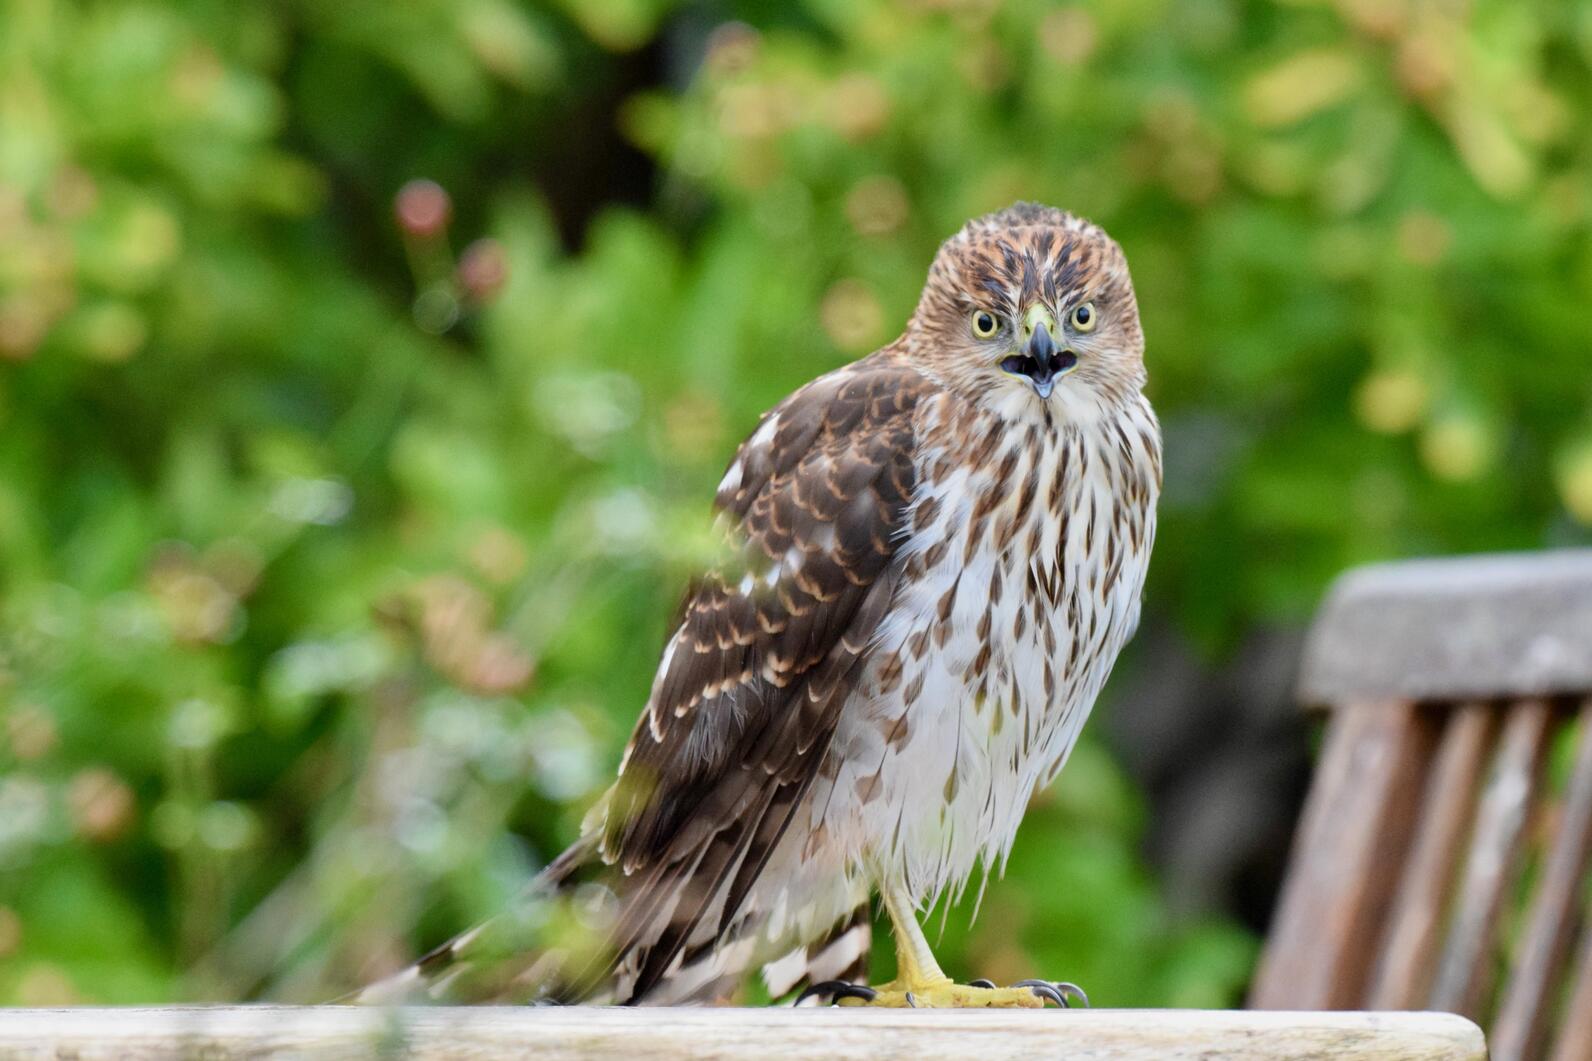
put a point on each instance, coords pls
(676, 932)
(532, 954)
(840, 955)
(511, 958)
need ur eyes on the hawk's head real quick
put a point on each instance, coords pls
(1027, 306)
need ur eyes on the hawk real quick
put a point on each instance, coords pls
(934, 555)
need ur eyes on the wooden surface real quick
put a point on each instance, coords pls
(1522, 1024)
(1454, 628)
(1414, 930)
(563, 1034)
(1575, 1037)
(1351, 842)
(1465, 969)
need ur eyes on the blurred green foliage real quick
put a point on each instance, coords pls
(333, 565)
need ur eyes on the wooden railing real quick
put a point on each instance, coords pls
(565, 1034)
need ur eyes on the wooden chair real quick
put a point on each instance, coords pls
(1437, 865)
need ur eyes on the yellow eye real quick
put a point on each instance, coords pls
(985, 323)
(1084, 317)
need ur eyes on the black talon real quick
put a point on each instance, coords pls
(1058, 992)
(990, 984)
(1044, 989)
(1074, 990)
(911, 1002)
(836, 990)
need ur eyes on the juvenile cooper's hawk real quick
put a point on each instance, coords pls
(936, 553)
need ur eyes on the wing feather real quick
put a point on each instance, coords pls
(752, 682)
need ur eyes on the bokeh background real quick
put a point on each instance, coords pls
(341, 512)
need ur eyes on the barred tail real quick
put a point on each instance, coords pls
(519, 956)
(840, 955)
(545, 949)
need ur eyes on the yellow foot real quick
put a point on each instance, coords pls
(946, 994)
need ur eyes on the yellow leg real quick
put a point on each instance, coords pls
(919, 979)
(915, 964)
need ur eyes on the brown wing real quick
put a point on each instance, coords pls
(750, 685)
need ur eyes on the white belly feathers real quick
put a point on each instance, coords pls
(1014, 610)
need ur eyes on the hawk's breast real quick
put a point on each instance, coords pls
(1023, 570)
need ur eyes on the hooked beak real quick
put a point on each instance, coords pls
(1041, 362)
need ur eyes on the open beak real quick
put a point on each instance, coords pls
(1041, 362)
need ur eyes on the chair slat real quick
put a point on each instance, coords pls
(1522, 1019)
(1463, 971)
(1409, 952)
(1575, 1035)
(1356, 824)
